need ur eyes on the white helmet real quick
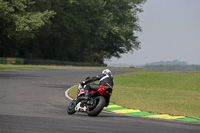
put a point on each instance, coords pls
(106, 71)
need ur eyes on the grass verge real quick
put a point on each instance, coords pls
(24, 67)
(73, 91)
(171, 93)
(19, 67)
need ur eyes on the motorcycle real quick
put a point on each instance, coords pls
(94, 105)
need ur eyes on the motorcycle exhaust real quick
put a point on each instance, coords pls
(79, 108)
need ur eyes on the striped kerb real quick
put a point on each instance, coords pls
(136, 112)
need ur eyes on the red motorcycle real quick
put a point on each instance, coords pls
(97, 101)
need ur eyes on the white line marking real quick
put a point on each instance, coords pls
(66, 93)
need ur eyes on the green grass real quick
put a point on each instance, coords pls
(73, 91)
(24, 67)
(171, 93)
(19, 67)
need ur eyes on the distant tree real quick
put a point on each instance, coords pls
(111, 27)
(174, 62)
(73, 30)
(18, 22)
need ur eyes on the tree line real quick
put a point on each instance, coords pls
(174, 68)
(69, 30)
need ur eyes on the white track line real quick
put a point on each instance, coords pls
(66, 93)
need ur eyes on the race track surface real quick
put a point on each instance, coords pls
(33, 101)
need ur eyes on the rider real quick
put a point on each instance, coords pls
(105, 79)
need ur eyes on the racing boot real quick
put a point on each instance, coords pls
(86, 97)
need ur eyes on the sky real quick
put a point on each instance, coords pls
(170, 31)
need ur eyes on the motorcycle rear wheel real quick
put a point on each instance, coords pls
(98, 107)
(71, 107)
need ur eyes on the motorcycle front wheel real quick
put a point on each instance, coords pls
(99, 104)
(71, 107)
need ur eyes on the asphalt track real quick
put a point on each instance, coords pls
(33, 101)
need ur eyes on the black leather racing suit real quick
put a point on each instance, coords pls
(104, 80)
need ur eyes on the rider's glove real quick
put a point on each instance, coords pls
(80, 87)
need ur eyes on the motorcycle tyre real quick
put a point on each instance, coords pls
(98, 108)
(70, 110)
